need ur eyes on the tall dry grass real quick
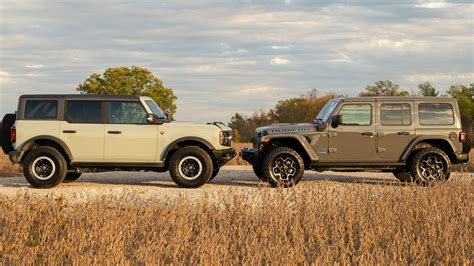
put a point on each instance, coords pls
(6, 167)
(363, 224)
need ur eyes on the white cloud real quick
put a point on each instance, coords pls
(279, 61)
(433, 5)
(280, 47)
(34, 66)
(33, 75)
(258, 89)
(434, 77)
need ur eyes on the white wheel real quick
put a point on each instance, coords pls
(190, 167)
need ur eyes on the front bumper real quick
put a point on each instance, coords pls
(223, 156)
(249, 155)
(15, 156)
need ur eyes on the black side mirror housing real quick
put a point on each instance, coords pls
(154, 119)
(336, 121)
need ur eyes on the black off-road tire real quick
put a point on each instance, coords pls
(194, 157)
(276, 160)
(466, 128)
(258, 170)
(403, 176)
(429, 158)
(215, 172)
(71, 177)
(44, 157)
(7, 122)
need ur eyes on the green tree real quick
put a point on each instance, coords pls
(383, 88)
(464, 94)
(427, 89)
(131, 81)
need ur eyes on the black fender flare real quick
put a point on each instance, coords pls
(301, 140)
(417, 140)
(204, 142)
(31, 142)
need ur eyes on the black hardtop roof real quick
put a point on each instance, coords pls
(398, 98)
(82, 96)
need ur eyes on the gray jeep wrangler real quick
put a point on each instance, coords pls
(415, 138)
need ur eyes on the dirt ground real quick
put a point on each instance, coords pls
(150, 185)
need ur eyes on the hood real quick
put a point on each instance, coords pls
(285, 128)
(199, 126)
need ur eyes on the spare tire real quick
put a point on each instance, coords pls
(467, 129)
(7, 122)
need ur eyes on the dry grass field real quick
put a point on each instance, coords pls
(357, 223)
(323, 222)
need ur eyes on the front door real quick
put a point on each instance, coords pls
(128, 136)
(354, 139)
(396, 130)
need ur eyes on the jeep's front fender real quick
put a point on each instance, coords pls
(301, 139)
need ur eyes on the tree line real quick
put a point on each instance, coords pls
(304, 108)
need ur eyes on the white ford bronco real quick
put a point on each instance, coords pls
(57, 137)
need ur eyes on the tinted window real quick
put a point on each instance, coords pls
(127, 113)
(356, 114)
(83, 111)
(395, 114)
(436, 114)
(41, 109)
(155, 109)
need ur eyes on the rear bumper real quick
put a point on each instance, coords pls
(223, 156)
(462, 157)
(249, 155)
(15, 156)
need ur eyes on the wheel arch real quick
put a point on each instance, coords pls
(440, 142)
(186, 141)
(298, 143)
(49, 141)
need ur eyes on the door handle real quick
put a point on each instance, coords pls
(404, 133)
(114, 132)
(367, 134)
(69, 131)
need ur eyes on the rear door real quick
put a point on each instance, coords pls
(396, 129)
(354, 139)
(128, 136)
(83, 130)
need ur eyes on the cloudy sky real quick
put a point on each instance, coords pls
(222, 57)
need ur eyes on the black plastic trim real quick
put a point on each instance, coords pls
(417, 140)
(117, 165)
(172, 144)
(63, 145)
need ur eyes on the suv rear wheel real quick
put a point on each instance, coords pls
(467, 129)
(190, 167)
(283, 166)
(430, 165)
(7, 122)
(44, 167)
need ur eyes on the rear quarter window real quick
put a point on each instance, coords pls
(436, 114)
(41, 109)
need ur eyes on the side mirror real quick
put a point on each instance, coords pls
(153, 119)
(336, 121)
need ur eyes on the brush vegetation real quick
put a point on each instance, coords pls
(323, 222)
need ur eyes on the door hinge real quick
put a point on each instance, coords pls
(332, 150)
(380, 150)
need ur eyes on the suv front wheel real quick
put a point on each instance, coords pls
(44, 167)
(283, 166)
(430, 165)
(190, 167)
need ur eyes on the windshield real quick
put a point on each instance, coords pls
(155, 109)
(324, 114)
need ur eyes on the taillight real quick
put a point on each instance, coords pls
(462, 137)
(13, 134)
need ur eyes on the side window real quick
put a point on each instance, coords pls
(83, 112)
(356, 114)
(46, 109)
(127, 113)
(395, 114)
(436, 114)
